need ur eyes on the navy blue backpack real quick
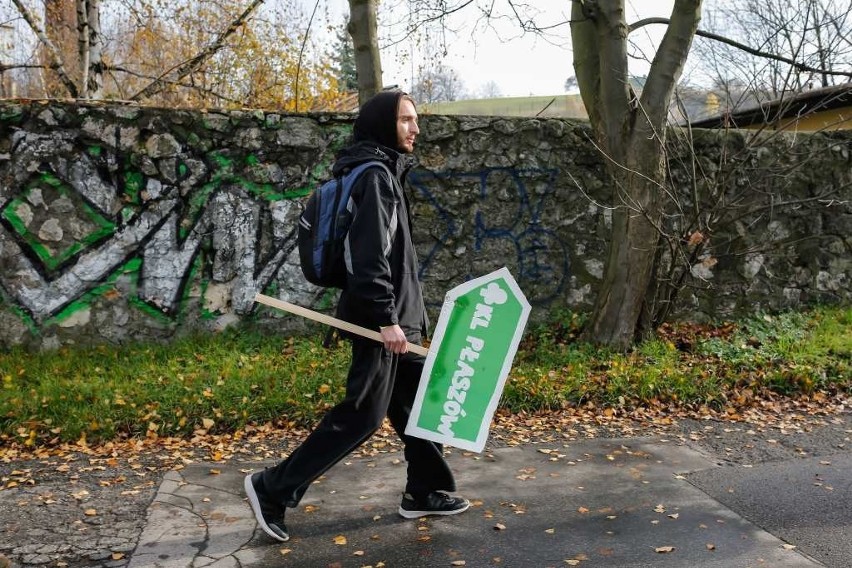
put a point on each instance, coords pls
(323, 226)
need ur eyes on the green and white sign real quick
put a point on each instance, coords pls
(475, 341)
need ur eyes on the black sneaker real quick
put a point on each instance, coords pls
(269, 516)
(434, 503)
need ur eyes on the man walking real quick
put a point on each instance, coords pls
(382, 292)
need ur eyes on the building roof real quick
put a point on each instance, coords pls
(783, 111)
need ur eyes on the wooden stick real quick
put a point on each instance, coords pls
(328, 320)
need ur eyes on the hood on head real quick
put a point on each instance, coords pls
(376, 120)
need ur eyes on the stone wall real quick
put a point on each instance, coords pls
(122, 223)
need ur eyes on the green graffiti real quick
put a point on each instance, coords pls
(13, 115)
(225, 163)
(127, 214)
(52, 259)
(85, 301)
(149, 310)
(197, 202)
(25, 318)
(133, 184)
(223, 172)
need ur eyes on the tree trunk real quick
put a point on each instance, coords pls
(89, 47)
(630, 131)
(633, 245)
(365, 37)
(60, 25)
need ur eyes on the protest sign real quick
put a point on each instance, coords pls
(475, 341)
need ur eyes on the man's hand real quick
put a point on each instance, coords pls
(394, 339)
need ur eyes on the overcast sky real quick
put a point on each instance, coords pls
(520, 65)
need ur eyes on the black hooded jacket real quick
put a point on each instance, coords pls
(382, 287)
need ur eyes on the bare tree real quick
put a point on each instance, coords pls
(438, 85)
(490, 90)
(810, 40)
(630, 130)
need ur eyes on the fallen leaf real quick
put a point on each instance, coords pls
(499, 527)
(340, 540)
(90, 512)
(117, 555)
(458, 563)
(582, 510)
(358, 553)
(786, 546)
(285, 551)
(710, 546)
(550, 531)
(664, 549)
(674, 515)
(695, 238)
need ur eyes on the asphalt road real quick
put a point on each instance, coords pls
(796, 486)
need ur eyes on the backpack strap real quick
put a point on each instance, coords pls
(352, 175)
(348, 179)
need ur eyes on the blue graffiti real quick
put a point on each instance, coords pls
(514, 227)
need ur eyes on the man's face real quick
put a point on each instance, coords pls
(406, 126)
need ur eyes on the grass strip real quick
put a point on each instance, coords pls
(221, 383)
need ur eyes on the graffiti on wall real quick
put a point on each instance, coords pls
(69, 228)
(506, 226)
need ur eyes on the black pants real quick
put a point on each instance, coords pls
(379, 384)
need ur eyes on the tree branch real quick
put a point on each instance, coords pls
(669, 60)
(191, 65)
(585, 60)
(302, 54)
(439, 16)
(169, 82)
(759, 53)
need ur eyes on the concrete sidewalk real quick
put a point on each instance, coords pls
(606, 502)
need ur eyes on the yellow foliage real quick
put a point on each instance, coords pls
(259, 65)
